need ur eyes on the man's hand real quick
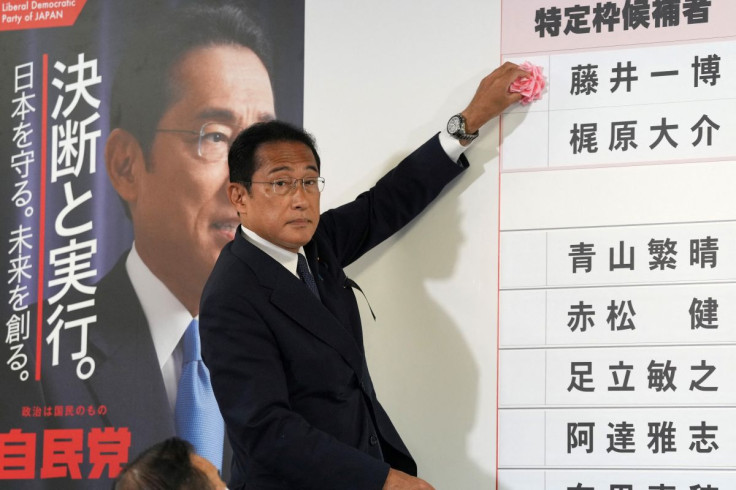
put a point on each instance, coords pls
(398, 480)
(492, 96)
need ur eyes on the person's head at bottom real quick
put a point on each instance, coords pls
(169, 465)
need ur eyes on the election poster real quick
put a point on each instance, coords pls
(114, 210)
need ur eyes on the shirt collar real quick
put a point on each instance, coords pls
(167, 318)
(282, 256)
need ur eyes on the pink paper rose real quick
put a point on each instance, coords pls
(529, 87)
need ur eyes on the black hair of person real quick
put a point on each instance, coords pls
(242, 159)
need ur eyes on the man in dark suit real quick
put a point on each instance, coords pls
(286, 355)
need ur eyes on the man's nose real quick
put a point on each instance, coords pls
(299, 194)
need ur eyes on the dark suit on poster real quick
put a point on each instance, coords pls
(127, 380)
(289, 371)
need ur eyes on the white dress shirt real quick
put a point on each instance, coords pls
(452, 146)
(167, 320)
(280, 255)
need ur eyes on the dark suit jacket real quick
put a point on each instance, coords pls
(289, 371)
(127, 379)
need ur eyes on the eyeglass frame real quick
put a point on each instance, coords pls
(292, 186)
(200, 134)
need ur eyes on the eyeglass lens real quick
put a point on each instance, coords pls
(309, 184)
(215, 140)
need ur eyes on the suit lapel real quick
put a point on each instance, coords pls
(127, 373)
(292, 297)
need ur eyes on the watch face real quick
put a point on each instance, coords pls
(453, 125)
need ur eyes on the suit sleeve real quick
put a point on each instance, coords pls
(396, 199)
(250, 384)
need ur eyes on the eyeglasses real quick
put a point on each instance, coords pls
(214, 139)
(282, 187)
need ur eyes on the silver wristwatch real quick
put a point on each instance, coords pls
(456, 128)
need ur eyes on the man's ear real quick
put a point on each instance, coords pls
(237, 194)
(124, 161)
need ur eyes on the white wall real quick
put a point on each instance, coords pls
(382, 76)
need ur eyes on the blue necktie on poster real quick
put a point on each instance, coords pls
(197, 416)
(303, 270)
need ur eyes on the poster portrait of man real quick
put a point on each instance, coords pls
(115, 136)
